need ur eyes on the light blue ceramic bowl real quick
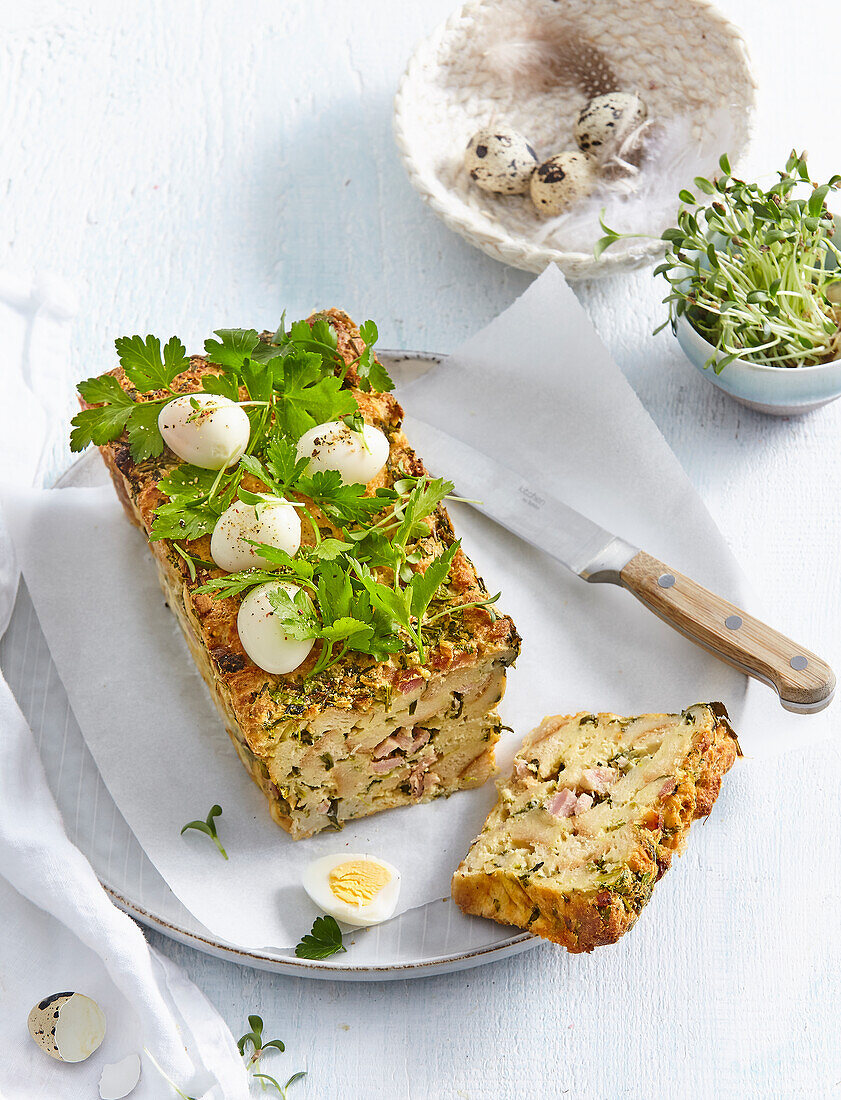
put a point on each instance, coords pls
(781, 391)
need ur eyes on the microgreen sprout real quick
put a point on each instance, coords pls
(356, 424)
(259, 1046)
(254, 1038)
(754, 271)
(281, 1088)
(209, 827)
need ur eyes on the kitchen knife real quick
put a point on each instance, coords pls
(804, 682)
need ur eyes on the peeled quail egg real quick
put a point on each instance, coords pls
(357, 889)
(357, 456)
(120, 1078)
(274, 522)
(206, 429)
(561, 181)
(607, 120)
(67, 1026)
(263, 638)
(500, 161)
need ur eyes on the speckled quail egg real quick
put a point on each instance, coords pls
(120, 1078)
(67, 1026)
(357, 889)
(561, 181)
(357, 456)
(261, 634)
(607, 120)
(500, 161)
(274, 521)
(206, 429)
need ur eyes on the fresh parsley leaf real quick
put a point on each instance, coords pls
(190, 511)
(232, 584)
(258, 380)
(423, 586)
(102, 389)
(252, 465)
(372, 374)
(99, 426)
(330, 549)
(295, 614)
(342, 504)
(323, 940)
(225, 384)
(281, 456)
(184, 520)
(208, 827)
(190, 482)
(421, 502)
(233, 347)
(144, 435)
(145, 368)
(306, 396)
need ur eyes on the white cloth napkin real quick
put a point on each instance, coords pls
(58, 929)
(536, 383)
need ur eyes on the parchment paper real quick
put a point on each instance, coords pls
(537, 388)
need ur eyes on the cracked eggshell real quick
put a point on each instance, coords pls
(120, 1078)
(500, 161)
(67, 1026)
(561, 181)
(607, 120)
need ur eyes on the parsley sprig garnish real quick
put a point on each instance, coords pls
(290, 382)
(373, 584)
(343, 600)
(323, 940)
(149, 371)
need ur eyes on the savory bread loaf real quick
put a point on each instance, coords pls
(589, 820)
(364, 734)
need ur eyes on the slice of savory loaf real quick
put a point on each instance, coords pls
(362, 734)
(588, 822)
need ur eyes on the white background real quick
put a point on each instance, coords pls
(194, 165)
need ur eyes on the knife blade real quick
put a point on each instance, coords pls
(803, 681)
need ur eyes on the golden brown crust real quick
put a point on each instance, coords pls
(262, 710)
(600, 907)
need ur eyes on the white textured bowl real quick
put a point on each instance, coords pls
(683, 56)
(780, 391)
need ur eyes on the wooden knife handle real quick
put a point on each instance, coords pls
(804, 682)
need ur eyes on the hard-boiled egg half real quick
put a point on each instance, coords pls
(358, 889)
(205, 429)
(358, 456)
(261, 634)
(274, 521)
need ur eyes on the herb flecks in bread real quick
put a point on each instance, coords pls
(590, 818)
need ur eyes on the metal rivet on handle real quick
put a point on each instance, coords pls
(733, 622)
(798, 663)
(666, 580)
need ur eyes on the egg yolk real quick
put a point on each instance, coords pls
(358, 881)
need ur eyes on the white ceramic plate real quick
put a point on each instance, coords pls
(435, 938)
